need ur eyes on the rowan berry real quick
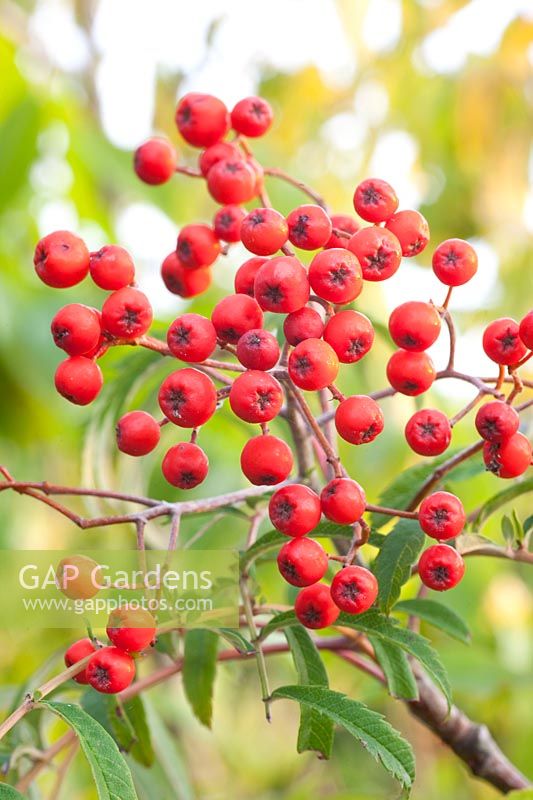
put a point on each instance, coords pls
(245, 275)
(343, 501)
(185, 465)
(264, 231)
(375, 200)
(415, 326)
(510, 458)
(378, 252)
(411, 230)
(127, 314)
(350, 334)
(410, 373)
(302, 562)
(256, 396)
(61, 259)
(79, 380)
(315, 608)
(197, 246)
(77, 577)
(182, 281)
(441, 515)
(294, 510)
(76, 329)
(526, 330)
(428, 432)
(309, 227)
(234, 315)
(266, 460)
(281, 285)
(441, 567)
(497, 421)
(258, 349)
(188, 398)
(259, 174)
(313, 365)
(344, 223)
(202, 119)
(112, 267)
(227, 223)
(110, 670)
(502, 342)
(77, 652)
(232, 181)
(454, 262)
(335, 275)
(131, 629)
(354, 589)
(137, 433)
(192, 338)
(359, 419)
(217, 152)
(306, 323)
(155, 161)
(252, 116)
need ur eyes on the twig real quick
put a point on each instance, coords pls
(303, 187)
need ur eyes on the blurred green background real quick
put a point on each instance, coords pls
(436, 97)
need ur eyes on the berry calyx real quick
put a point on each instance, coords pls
(375, 200)
(79, 380)
(76, 329)
(61, 259)
(335, 276)
(306, 323)
(309, 227)
(502, 342)
(202, 119)
(454, 262)
(295, 510)
(192, 338)
(264, 231)
(412, 231)
(410, 373)
(281, 285)
(245, 276)
(509, 458)
(350, 334)
(415, 326)
(266, 460)
(359, 419)
(344, 223)
(235, 315)
(131, 629)
(137, 433)
(197, 246)
(302, 562)
(182, 281)
(155, 161)
(258, 349)
(185, 465)
(256, 396)
(77, 652)
(428, 432)
(110, 670)
(127, 314)
(315, 608)
(112, 267)
(526, 330)
(188, 398)
(354, 589)
(227, 223)
(378, 252)
(441, 567)
(232, 181)
(313, 365)
(497, 421)
(441, 515)
(343, 501)
(252, 116)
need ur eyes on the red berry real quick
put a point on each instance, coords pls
(281, 285)
(258, 349)
(131, 629)
(188, 398)
(510, 458)
(375, 200)
(264, 231)
(232, 181)
(410, 373)
(127, 314)
(378, 252)
(76, 652)
(313, 365)
(252, 116)
(302, 562)
(502, 342)
(79, 380)
(256, 396)
(266, 460)
(112, 267)
(234, 315)
(315, 608)
(309, 227)
(306, 323)
(354, 589)
(192, 338)
(411, 230)
(454, 262)
(497, 421)
(202, 119)
(415, 326)
(343, 501)
(359, 419)
(217, 152)
(245, 275)
(335, 275)
(526, 330)
(185, 465)
(428, 432)
(294, 510)
(441, 515)
(259, 174)
(155, 161)
(197, 246)
(182, 281)
(110, 670)
(345, 223)
(61, 259)
(138, 433)
(441, 567)
(76, 329)
(227, 223)
(350, 334)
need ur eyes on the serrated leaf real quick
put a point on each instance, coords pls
(396, 556)
(236, 640)
(381, 740)
(395, 664)
(199, 669)
(438, 615)
(8, 793)
(500, 499)
(282, 620)
(131, 733)
(273, 540)
(110, 772)
(469, 542)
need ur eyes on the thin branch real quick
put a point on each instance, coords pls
(303, 187)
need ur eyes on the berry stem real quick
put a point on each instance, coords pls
(303, 187)
(330, 453)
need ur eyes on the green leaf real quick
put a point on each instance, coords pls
(110, 771)
(273, 540)
(8, 793)
(381, 740)
(199, 668)
(520, 794)
(236, 640)
(507, 529)
(396, 556)
(395, 665)
(500, 499)
(282, 620)
(316, 730)
(438, 615)
(130, 732)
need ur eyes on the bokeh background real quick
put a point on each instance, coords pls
(435, 96)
